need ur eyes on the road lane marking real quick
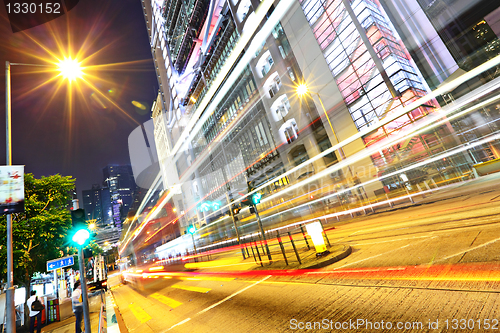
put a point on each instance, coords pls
(139, 313)
(220, 302)
(233, 294)
(360, 243)
(180, 323)
(165, 300)
(189, 288)
(471, 249)
(381, 254)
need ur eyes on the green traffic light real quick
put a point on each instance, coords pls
(256, 198)
(81, 236)
(192, 230)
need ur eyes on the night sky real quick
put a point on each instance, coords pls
(51, 135)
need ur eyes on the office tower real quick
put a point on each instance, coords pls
(229, 116)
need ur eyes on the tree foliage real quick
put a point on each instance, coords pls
(39, 233)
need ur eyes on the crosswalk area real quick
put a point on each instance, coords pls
(169, 296)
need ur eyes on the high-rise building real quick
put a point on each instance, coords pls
(97, 206)
(98, 210)
(119, 180)
(229, 116)
(107, 206)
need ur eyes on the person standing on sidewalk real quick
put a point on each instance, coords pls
(34, 314)
(76, 302)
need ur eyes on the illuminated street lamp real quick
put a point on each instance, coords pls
(303, 90)
(71, 70)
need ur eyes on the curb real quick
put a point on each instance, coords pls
(347, 250)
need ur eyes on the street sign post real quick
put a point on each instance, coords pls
(60, 263)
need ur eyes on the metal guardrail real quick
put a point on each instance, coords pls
(102, 315)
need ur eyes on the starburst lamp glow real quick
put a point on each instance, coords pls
(302, 89)
(70, 69)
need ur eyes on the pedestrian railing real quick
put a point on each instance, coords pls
(102, 315)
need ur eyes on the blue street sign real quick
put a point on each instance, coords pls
(60, 263)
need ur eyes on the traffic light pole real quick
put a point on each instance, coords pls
(85, 295)
(262, 231)
(235, 226)
(194, 246)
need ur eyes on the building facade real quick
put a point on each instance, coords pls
(229, 115)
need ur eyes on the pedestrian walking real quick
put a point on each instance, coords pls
(35, 307)
(76, 302)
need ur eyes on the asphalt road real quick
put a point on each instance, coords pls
(430, 267)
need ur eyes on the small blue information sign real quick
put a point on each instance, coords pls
(60, 263)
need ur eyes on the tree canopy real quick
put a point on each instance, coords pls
(39, 233)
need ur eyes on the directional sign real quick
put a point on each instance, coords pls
(60, 263)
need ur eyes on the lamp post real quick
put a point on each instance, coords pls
(302, 90)
(69, 69)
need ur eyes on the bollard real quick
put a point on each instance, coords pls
(282, 248)
(324, 234)
(258, 253)
(411, 198)
(255, 259)
(420, 190)
(388, 200)
(427, 186)
(294, 248)
(305, 238)
(261, 245)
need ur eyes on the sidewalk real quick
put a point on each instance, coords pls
(68, 325)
